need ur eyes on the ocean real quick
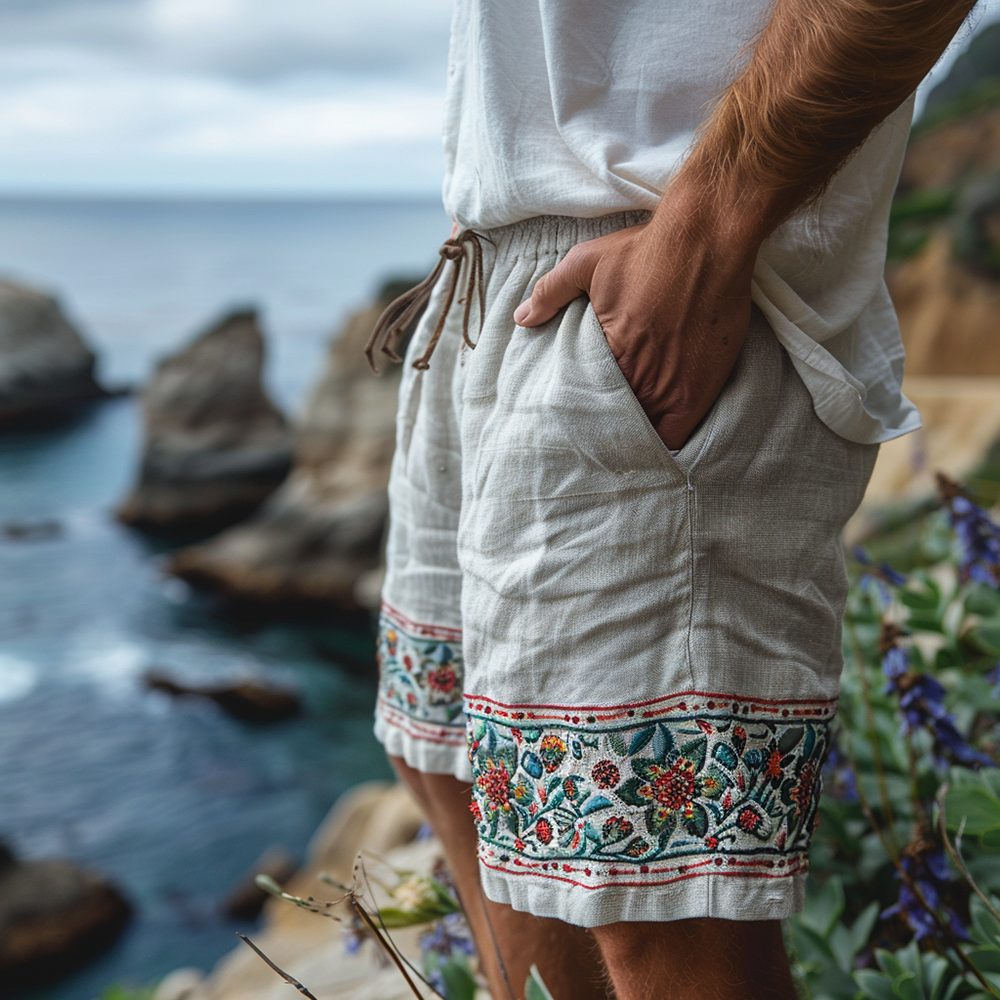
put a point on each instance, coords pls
(172, 799)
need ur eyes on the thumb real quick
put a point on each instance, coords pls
(568, 279)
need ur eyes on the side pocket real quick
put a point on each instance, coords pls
(687, 457)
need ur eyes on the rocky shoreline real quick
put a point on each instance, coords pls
(315, 545)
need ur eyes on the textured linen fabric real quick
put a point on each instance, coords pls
(633, 655)
(568, 107)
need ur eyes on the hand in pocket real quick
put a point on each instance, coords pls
(674, 304)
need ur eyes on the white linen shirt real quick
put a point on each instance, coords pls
(586, 107)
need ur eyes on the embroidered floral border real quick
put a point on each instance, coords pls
(420, 678)
(693, 784)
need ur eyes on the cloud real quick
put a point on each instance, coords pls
(228, 95)
(191, 92)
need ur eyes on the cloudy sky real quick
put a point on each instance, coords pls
(224, 96)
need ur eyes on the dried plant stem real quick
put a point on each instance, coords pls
(946, 932)
(396, 954)
(389, 948)
(883, 788)
(284, 975)
(954, 852)
(911, 755)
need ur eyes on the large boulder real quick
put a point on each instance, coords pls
(320, 535)
(54, 917)
(46, 368)
(216, 446)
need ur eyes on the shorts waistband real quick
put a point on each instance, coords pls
(545, 235)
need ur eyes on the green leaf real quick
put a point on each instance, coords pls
(986, 959)
(985, 927)
(663, 743)
(978, 806)
(459, 983)
(810, 947)
(874, 985)
(986, 637)
(789, 738)
(889, 963)
(937, 973)
(824, 906)
(697, 823)
(640, 739)
(983, 600)
(845, 943)
(595, 803)
(535, 988)
(627, 792)
(617, 743)
(695, 751)
(907, 987)
(919, 599)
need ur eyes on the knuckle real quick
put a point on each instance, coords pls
(542, 288)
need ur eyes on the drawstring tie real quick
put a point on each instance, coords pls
(400, 313)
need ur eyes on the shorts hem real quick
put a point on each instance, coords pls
(438, 757)
(734, 897)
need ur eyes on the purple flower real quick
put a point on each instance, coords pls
(929, 871)
(894, 664)
(977, 534)
(448, 935)
(878, 576)
(839, 780)
(921, 699)
(352, 941)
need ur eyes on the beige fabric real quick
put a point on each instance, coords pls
(636, 634)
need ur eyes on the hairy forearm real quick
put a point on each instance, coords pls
(822, 75)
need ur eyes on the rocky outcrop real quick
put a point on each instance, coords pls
(247, 700)
(318, 539)
(216, 446)
(378, 819)
(947, 312)
(54, 917)
(46, 369)
(947, 297)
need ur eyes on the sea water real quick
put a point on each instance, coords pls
(172, 799)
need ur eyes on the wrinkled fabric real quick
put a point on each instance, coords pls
(582, 623)
(567, 107)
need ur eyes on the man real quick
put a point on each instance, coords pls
(615, 582)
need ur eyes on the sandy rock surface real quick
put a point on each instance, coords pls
(216, 446)
(321, 533)
(45, 365)
(382, 821)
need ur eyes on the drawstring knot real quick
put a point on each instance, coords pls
(401, 312)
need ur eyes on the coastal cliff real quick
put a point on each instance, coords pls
(46, 367)
(316, 543)
(215, 444)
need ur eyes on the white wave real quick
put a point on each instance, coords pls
(17, 677)
(107, 659)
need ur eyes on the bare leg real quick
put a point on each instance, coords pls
(695, 959)
(566, 956)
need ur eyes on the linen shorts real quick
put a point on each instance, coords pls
(633, 656)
